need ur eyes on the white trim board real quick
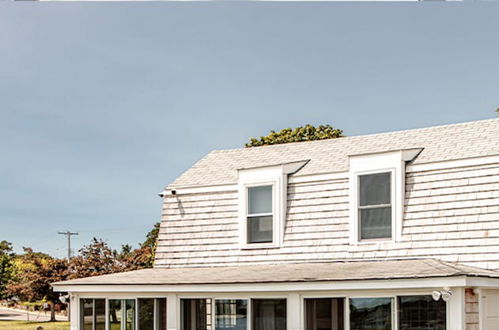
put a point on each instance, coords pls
(434, 282)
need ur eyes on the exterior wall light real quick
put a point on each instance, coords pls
(445, 294)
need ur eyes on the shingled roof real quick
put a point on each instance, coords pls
(439, 143)
(280, 273)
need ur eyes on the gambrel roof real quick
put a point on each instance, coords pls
(439, 143)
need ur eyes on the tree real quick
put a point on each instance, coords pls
(33, 277)
(299, 134)
(6, 266)
(94, 259)
(143, 257)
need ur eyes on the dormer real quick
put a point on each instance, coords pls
(262, 196)
(377, 193)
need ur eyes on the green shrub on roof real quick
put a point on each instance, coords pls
(299, 134)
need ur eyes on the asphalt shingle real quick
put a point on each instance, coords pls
(281, 273)
(439, 143)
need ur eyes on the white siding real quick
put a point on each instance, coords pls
(450, 213)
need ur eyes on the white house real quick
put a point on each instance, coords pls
(388, 231)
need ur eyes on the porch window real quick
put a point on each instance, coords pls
(260, 216)
(268, 314)
(231, 314)
(371, 313)
(151, 313)
(122, 314)
(324, 314)
(93, 314)
(421, 312)
(375, 209)
(196, 314)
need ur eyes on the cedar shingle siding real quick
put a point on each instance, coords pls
(450, 213)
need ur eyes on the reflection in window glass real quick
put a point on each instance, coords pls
(93, 314)
(259, 229)
(260, 200)
(87, 314)
(374, 189)
(161, 313)
(100, 314)
(421, 313)
(324, 314)
(196, 314)
(115, 314)
(268, 314)
(145, 309)
(130, 314)
(375, 211)
(376, 223)
(231, 314)
(371, 314)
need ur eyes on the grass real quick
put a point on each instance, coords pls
(26, 325)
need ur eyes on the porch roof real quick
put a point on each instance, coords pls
(282, 273)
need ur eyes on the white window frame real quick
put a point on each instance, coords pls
(275, 202)
(277, 177)
(391, 161)
(392, 172)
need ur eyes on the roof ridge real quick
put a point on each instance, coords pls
(464, 123)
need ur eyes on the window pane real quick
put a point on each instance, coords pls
(260, 200)
(115, 314)
(231, 314)
(196, 314)
(87, 314)
(376, 223)
(161, 313)
(324, 314)
(259, 229)
(269, 314)
(100, 314)
(371, 314)
(421, 313)
(130, 314)
(374, 189)
(146, 313)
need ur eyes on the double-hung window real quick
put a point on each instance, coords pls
(260, 219)
(262, 196)
(377, 194)
(375, 206)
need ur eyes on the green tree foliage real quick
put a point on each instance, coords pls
(28, 276)
(143, 257)
(96, 258)
(6, 266)
(34, 272)
(299, 134)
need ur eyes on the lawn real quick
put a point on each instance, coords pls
(25, 325)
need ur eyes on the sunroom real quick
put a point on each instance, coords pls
(382, 295)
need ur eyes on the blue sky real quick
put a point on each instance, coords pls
(103, 104)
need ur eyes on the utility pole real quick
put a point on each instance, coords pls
(68, 235)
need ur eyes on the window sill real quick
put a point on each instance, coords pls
(373, 242)
(257, 246)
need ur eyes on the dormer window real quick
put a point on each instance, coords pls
(262, 204)
(375, 206)
(377, 193)
(260, 216)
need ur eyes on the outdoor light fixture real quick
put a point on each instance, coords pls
(436, 295)
(445, 294)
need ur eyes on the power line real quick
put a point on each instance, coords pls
(68, 235)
